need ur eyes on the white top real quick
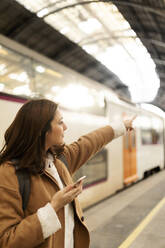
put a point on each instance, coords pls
(47, 215)
(54, 226)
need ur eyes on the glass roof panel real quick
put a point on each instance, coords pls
(101, 30)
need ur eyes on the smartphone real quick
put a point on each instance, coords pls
(79, 180)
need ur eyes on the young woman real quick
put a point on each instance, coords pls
(53, 217)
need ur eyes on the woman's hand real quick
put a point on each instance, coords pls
(128, 123)
(65, 196)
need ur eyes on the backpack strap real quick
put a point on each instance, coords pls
(25, 182)
(63, 159)
(24, 186)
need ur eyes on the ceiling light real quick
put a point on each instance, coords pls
(3, 69)
(75, 97)
(40, 69)
(54, 73)
(2, 87)
(22, 77)
(22, 90)
(42, 12)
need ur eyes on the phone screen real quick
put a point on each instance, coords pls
(79, 180)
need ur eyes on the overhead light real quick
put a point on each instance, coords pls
(90, 26)
(22, 77)
(22, 90)
(3, 69)
(40, 69)
(2, 87)
(43, 12)
(75, 97)
(54, 73)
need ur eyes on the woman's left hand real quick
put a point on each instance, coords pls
(128, 123)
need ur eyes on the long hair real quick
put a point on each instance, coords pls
(25, 137)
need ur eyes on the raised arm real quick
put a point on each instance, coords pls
(80, 151)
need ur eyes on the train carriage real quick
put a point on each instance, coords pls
(86, 105)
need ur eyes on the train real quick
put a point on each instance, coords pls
(86, 105)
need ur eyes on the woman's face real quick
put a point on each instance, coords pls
(55, 136)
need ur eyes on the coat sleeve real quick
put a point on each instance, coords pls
(15, 229)
(80, 151)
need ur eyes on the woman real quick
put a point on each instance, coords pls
(53, 217)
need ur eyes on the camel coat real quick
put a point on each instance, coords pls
(20, 229)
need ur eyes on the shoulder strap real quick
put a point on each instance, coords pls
(24, 186)
(25, 183)
(63, 159)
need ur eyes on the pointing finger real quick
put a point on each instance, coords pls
(134, 117)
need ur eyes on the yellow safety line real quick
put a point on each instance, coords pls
(142, 225)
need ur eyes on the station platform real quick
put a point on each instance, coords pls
(134, 217)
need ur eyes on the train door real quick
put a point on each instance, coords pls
(129, 157)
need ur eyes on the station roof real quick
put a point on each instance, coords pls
(56, 31)
(147, 19)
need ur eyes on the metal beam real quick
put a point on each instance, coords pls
(161, 74)
(149, 30)
(159, 61)
(157, 11)
(153, 41)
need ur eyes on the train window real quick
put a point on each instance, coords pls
(151, 130)
(151, 136)
(95, 169)
(15, 72)
(156, 137)
(27, 77)
(146, 136)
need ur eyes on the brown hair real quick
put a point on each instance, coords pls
(25, 137)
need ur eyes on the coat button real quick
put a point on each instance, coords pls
(82, 218)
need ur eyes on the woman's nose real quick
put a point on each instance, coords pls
(64, 126)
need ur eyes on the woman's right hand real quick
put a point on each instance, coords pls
(65, 196)
(128, 123)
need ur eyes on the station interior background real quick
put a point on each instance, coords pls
(118, 43)
(99, 59)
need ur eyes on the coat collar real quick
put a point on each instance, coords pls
(62, 171)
